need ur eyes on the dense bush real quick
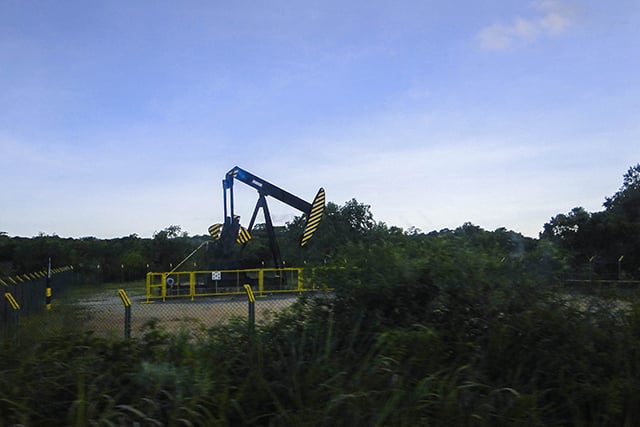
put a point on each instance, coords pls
(422, 352)
(457, 327)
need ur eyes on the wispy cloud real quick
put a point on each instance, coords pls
(554, 18)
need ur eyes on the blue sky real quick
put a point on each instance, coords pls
(123, 117)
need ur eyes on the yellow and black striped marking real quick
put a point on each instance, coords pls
(48, 298)
(249, 291)
(215, 231)
(12, 301)
(315, 216)
(243, 235)
(124, 297)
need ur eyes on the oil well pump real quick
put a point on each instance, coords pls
(231, 233)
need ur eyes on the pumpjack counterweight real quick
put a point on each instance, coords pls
(231, 230)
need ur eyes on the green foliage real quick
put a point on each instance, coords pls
(96, 260)
(455, 327)
(432, 349)
(592, 243)
(626, 201)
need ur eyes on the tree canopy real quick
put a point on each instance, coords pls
(603, 241)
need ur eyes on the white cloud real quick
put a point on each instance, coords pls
(555, 19)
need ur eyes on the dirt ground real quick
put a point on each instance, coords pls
(104, 313)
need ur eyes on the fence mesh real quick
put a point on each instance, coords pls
(187, 302)
(105, 314)
(26, 294)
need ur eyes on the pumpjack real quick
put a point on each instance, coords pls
(231, 232)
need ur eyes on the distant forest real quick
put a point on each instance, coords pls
(581, 245)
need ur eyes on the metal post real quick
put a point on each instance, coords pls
(261, 281)
(127, 313)
(48, 291)
(252, 310)
(163, 288)
(620, 267)
(148, 285)
(15, 316)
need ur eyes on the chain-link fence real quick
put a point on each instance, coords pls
(597, 268)
(171, 302)
(113, 314)
(119, 313)
(30, 293)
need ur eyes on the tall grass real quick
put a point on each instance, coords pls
(420, 353)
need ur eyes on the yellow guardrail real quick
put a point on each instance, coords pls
(202, 283)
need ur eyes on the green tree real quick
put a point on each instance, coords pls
(623, 220)
(169, 247)
(596, 241)
(626, 201)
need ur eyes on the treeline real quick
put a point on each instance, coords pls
(126, 258)
(604, 244)
(578, 245)
(348, 236)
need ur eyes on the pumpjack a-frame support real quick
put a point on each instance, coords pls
(232, 230)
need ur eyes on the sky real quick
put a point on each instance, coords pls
(121, 117)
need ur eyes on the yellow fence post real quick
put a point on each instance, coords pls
(299, 278)
(192, 285)
(261, 281)
(48, 297)
(127, 313)
(252, 310)
(163, 287)
(149, 283)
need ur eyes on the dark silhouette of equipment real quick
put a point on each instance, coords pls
(231, 232)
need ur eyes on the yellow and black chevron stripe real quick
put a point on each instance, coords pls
(243, 235)
(315, 216)
(215, 231)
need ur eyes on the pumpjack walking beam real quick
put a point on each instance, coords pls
(232, 228)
